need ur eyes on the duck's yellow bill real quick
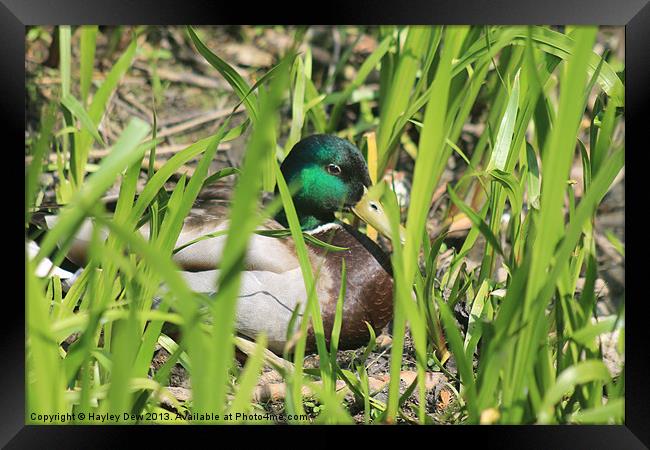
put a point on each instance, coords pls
(372, 212)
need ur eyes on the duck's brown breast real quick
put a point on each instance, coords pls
(369, 287)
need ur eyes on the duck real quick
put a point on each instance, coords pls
(331, 176)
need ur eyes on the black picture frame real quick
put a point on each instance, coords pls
(633, 14)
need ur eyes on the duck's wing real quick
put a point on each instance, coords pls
(204, 235)
(265, 304)
(264, 253)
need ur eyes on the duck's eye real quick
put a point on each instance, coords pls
(333, 169)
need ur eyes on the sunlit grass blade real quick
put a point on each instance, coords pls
(611, 413)
(211, 387)
(502, 146)
(239, 85)
(399, 314)
(555, 168)
(39, 151)
(463, 361)
(80, 113)
(248, 379)
(474, 330)
(124, 153)
(582, 372)
(368, 65)
(45, 380)
(312, 308)
(429, 164)
(298, 102)
(338, 316)
(476, 220)
(396, 100)
(87, 61)
(552, 42)
(97, 109)
(161, 176)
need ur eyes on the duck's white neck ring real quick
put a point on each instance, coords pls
(322, 228)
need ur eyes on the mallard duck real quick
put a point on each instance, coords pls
(332, 176)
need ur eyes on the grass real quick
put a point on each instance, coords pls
(531, 352)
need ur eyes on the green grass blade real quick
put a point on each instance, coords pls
(210, 392)
(38, 151)
(124, 153)
(239, 85)
(580, 373)
(502, 146)
(611, 413)
(533, 180)
(45, 380)
(429, 164)
(399, 314)
(313, 305)
(477, 221)
(248, 380)
(80, 113)
(463, 362)
(98, 108)
(397, 97)
(368, 65)
(338, 316)
(553, 43)
(161, 176)
(87, 60)
(556, 161)
(297, 105)
(65, 61)
(474, 330)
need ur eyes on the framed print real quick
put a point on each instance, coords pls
(401, 215)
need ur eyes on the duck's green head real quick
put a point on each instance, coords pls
(330, 175)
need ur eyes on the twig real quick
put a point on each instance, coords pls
(131, 110)
(184, 77)
(157, 165)
(163, 150)
(96, 77)
(271, 358)
(130, 98)
(178, 118)
(101, 153)
(207, 117)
